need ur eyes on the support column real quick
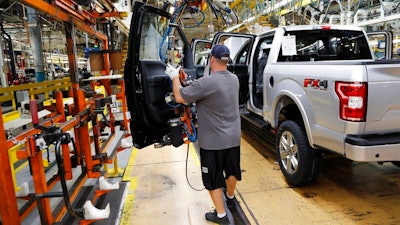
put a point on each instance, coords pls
(35, 35)
(71, 51)
(83, 142)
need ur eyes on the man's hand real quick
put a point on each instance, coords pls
(171, 71)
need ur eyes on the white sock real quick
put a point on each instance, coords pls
(221, 215)
(230, 197)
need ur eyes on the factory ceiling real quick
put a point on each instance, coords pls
(202, 18)
(88, 16)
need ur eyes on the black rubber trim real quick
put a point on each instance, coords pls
(373, 139)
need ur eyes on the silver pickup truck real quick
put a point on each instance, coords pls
(319, 88)
(314, 88)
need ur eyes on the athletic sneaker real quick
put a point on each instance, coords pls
(231, 203)
(212, 216)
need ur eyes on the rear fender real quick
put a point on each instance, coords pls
(291, 93)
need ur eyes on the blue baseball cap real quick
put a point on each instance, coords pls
(220, 52)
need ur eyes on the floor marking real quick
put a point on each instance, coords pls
(129, 168)
(129, 202)
(130, 196)
(194, 153)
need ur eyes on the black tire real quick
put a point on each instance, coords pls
(299, 163)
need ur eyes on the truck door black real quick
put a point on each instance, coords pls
(153, 42)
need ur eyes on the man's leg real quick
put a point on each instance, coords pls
(219, 215)
(216, 196)
(231, 185)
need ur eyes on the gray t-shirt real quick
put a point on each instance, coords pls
(217, 105)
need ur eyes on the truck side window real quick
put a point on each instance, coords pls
(319, 45)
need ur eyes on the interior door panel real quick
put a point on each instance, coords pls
(241, 71)
(156, 84)
(199, 71)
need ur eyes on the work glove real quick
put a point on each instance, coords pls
(172, 71)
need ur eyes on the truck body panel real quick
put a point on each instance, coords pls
(305, 88)
(383, 101)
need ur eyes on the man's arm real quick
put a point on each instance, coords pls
(176, 87)
(173, 74)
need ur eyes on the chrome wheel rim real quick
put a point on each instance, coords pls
(288, 151)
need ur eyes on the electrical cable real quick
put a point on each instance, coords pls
(186, 172)
(175, 16)
(61, 174)
(191, 137)
(395, 8)
(169, 104)
(198, 23)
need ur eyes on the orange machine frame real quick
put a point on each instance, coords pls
(61, 10)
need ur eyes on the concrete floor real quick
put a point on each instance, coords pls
(345, 192)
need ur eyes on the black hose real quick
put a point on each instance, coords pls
(186, 171)
(41, 211)
(61, 174)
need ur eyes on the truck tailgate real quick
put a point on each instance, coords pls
(383, 110)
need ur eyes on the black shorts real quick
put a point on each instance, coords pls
(217, 165)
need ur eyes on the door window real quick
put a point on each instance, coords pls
(152, 36)
(381, 44)
(201, 51)
(159, 41)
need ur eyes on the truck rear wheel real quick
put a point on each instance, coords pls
(299, 163)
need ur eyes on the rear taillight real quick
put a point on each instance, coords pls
(352, 100)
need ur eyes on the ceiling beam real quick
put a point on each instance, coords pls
(59, 14)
